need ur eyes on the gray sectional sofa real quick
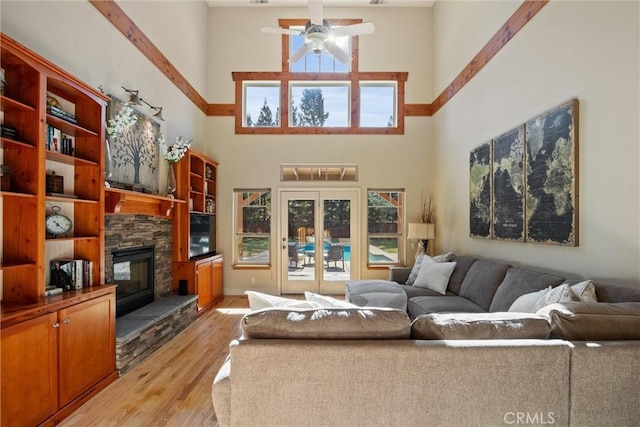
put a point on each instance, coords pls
(571, 364)
(481, 285)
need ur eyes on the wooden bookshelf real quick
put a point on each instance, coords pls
(196, 176)
(45, 339)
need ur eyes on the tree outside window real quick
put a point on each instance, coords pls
(385, 219)
(253, 227)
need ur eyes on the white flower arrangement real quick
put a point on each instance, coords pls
(123, 119)
(174, 152)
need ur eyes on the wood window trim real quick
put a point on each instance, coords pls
(354, 77)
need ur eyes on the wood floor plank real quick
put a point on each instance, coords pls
(172, 387)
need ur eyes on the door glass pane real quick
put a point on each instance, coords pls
(301, 238)
(337, 240)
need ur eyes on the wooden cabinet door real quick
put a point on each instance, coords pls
(29, 381)
(205, 291)
(216, 267)
(87, 345)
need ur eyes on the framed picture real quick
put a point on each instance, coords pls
(480, 191)
(135, 153)
(508, 185)
(552, 176)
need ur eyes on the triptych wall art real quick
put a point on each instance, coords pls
(523, 184)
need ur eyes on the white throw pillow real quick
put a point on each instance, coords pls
(258, 301)
(583, 291)
(446, 257)
(557, 294)
(526, 302)
(413, 275)
(434, 275)
(327, 302)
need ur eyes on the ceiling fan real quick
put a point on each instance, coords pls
(319, 35)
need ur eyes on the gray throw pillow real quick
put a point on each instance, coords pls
(415, 270)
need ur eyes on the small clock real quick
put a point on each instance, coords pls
(58, 224)
(208, 172)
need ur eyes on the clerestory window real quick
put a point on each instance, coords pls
(318, 94)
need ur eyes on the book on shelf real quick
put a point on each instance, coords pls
(69, 274)
(59, 142)
(61, 114)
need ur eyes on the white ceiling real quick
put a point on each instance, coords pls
(330, 3)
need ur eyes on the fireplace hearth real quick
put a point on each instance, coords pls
(133, 272)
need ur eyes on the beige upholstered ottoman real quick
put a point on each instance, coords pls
(375, 293)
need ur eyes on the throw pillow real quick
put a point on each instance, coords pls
(258, 301)
(525, 303)
(583, 291)
(446, 257)
(415, 270)
(434, 275)
(413, 275)
(558, 294)
(479, 326)
(327, 302)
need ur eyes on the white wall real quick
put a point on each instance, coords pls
(588, 50)
(75, 36)
(401, 42)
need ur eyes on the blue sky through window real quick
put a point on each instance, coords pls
(255, 95)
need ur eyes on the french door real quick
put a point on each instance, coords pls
(318, 237)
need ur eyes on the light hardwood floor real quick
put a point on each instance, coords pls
(172, 387)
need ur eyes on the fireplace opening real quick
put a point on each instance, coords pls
(133, 272)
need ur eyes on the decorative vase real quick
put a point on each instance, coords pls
(171, 181)
(108, 163)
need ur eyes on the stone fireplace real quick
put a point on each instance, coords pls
(130, 235)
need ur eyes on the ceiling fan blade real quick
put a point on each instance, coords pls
(336, 51)
(354, 30)
(278, 30)
(299, 54)
(315, 12)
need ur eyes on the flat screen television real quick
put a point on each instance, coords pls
(202, 234)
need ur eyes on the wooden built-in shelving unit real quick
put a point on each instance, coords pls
(58, 351)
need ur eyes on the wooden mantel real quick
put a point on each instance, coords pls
(117, 201)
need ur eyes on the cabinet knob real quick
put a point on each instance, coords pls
(55, 325)
(66, 321)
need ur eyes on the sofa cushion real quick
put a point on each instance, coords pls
(463, 264)
(479, 326)
(606, 292)
(414, 291)
(441, 304)
(327, 323)
(520, 281)
(597, 321)
(434, 275)
(482, 280)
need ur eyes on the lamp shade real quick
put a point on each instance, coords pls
(421, 231)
